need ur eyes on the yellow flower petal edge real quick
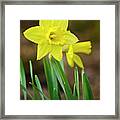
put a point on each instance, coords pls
(56, 52)
(82, 47)
(69, 56)
(78, 61)
(42, 51)
(35, 34)
(62, 24)
(70, 38)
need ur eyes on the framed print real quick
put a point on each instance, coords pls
(60, 59)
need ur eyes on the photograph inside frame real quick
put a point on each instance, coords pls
(60, 59)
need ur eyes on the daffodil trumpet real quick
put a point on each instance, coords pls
(71, 54)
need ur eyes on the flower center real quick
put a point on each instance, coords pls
(54, 39)
(52, 36)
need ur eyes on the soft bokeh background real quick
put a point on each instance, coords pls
(85, 30)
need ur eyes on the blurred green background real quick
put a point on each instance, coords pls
(85, 30)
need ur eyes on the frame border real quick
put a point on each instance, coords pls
(69, 2)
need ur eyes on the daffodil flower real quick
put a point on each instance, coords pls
(81, 47)
(50, 36)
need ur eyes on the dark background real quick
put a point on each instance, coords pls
(85, 30)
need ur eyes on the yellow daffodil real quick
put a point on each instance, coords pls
(81, 47)
(50, 36)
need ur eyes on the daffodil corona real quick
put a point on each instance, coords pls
(53, 38)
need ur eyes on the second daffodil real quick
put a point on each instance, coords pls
(80, 47)
(50, 36)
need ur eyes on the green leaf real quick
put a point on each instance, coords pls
(32, 79)
(76, 77)
(23, 78)
(62, 79)
(51, 79)
(74, 92)
(62, 65)
(23, 88)
(37, 90)
(86, 88)
(55, 83)
(31, 70)
(37, 81)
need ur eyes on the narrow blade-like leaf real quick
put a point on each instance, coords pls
(27, 92)
(23, 78)
(37, 90)
(37, 81)
(51, 79)
(62, 65)
(86, 88)
(74, 92)
(76, 77)
(62, 79)
(31, 69)
(32, 79)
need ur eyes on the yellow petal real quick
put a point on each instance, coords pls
(82, 47)
(36, 34)
(69, 56)
(69, 37)
(78, 61)
(62, 24)
(42, 50)
(70, 60)
(56, 52)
